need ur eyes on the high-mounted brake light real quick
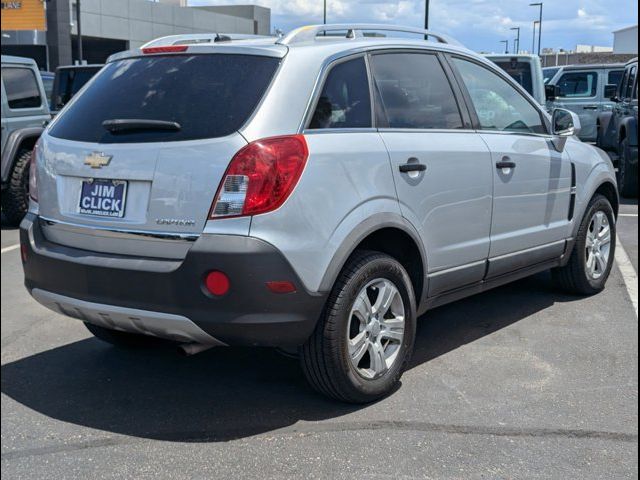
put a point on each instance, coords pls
(165, 49)
(260, 177)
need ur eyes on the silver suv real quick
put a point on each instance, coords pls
(318, 191)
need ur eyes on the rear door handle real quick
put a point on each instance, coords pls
(590, 107)
(412, 166)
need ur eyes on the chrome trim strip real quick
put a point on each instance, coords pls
(118, 232)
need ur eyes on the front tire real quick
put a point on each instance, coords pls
(15, 200)
(592, 257)
(364, 339)
(627, 173)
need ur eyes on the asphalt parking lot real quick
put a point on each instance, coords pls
(520, 382)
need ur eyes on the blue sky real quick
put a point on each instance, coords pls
(479, 24)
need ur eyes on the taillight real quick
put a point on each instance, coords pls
(260, 177)
(33, 178)
(165, 49)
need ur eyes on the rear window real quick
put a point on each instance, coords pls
(519, 71)
(21, 87)
(207, 95)
(548, 74)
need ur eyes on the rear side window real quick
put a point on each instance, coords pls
(345, 101)
(206, 95)
(497, 103)
(520, 72)
(21, 87)
(415, 92)
(578, 84)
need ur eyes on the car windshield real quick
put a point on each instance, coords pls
(206, 95)
(519, 71)
(548, 74)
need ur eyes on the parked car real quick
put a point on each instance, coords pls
(68, 81)
(581, 89)
(308, 192)
(24, 112)
(524, 69)
(47, 83)
(618, 129)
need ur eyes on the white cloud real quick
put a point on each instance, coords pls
(479, 24)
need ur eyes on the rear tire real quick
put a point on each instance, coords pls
(364, 338)
(587, 273)
(627, 173)
(15, 200)
(125, 339)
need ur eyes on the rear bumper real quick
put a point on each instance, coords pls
(166, 297)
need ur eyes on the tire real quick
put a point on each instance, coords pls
(325, 356)
(125, 339)
(575, 277)
(15, 199)
(627, 173)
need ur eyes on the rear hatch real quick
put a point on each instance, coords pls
(142, 150)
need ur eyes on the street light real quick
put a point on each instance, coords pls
(426, 15)
(539, 4)
(79, 38)
(517, 41)
(506, 45)
(325, 13)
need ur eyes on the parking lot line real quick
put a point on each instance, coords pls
(10, 248)
(627, 214)
(628, 273)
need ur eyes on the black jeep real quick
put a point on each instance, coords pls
(618, 129)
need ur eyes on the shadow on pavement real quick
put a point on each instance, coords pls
(227, 393)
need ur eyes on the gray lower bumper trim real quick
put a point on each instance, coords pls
(157, 324)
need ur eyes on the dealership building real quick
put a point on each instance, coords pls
(46, 30)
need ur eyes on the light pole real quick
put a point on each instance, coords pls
(539, 4)
(506, 45)
(517, 45)
(426, 15)
(79, 32)
(325, 13)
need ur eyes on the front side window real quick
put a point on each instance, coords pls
(21, 87)
(578, 84)
(614, 77)
(414, 92)
(345, 101)
(498, 104)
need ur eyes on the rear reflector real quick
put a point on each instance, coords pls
(166, 49)
(260, 177)
(217, 283)
(281, 287)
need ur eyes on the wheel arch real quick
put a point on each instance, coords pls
(386, 233)
(18, 140)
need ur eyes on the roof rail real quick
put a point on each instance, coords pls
(196, 38)
(356, 30)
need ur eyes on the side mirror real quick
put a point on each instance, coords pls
(611, 91)
(564, 124)
(551, 92)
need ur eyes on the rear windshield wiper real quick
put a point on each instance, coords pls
(132, 124)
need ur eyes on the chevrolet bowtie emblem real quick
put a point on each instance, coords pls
(97, 160)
